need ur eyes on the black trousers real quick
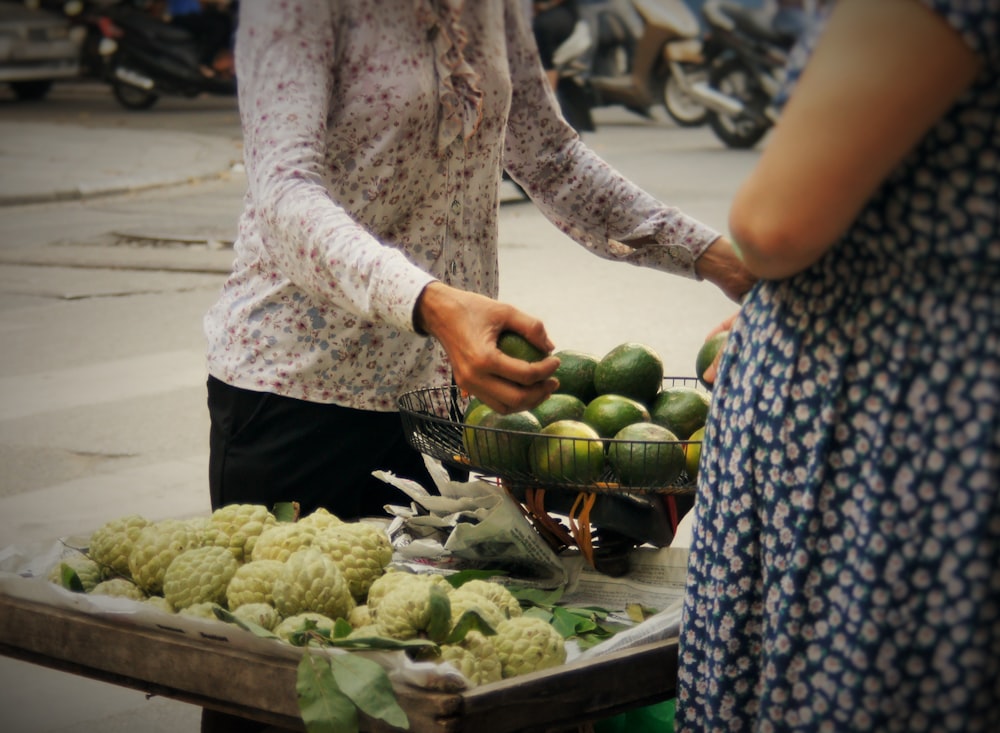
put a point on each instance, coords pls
(265, 448)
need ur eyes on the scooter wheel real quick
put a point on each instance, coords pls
(744, 131)
(683, 109)
(131, 97)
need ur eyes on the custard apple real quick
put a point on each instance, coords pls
(360, 616)
(361, 551)
(258, 613)
(111, 544)
(88, 571)
(120, 588)
(527, 644)
(384, 583)
(408, 610)
(199, 575)
(160, 603)
(466, 600)
(364, 632)
(253, 583)
(203, 609)
(320, 520)
(237, 526)
(280, 540)
(155, 548)
(311, 581)
(475, 657)
(499, 594)
(288, 627)
(201, 526)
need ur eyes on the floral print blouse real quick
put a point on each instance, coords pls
(375, 132)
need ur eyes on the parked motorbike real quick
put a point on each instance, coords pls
(622, 53)
(143, 57)
(744, 53)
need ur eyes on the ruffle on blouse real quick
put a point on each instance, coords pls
(461, 100)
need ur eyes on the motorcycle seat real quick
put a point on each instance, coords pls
(759, 23)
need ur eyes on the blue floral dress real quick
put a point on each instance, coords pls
(845, 566)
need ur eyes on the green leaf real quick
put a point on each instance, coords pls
(383, 642)
(565, 622)
(256, 629)
(324, 708)
(539, 612)
(457, 580)
(537, 596)
(367, 685)
(439, 622)
(69, 579)
(341, 628)
(471, 620)
(286, 511)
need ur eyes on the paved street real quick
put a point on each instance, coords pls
(115, 233)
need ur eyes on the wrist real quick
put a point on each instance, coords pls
(426, 309)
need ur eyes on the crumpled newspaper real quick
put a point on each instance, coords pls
(469, 524)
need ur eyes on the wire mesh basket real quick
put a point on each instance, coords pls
(433, 423)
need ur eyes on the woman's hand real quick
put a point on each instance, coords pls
(721, 265)
(467, 325)
(713, 369)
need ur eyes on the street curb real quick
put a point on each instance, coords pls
(217, 262)
(81, 193)
(47, 162)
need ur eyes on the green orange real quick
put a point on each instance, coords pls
(514, 344)
(692, 453)
(497, 442)
(576, 374)
(706, 355)
(630, 369)
(559, 406)
(682, 410)
(646, 454)
(567, 451)
(609, 413)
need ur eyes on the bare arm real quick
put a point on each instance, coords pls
(880, 77)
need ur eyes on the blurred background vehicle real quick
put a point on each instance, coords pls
(145, 56)
(621, 53)
(37, 48)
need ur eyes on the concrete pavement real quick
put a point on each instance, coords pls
(51, 162)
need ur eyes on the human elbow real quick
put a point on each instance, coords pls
(771, 244)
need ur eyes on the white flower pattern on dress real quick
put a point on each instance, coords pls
(374, 137)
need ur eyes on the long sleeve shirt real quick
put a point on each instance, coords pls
(375, 133)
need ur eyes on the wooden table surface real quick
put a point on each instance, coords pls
(253, 685)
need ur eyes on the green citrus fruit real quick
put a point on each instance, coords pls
(692, 452)
(559, 407)
(576, 374)
(609, 413)
(504, 446)
(515, 345)
(630, 369)
(646, 454)
(707, 353)
(681, 410)
(474, 402)
(567, 450)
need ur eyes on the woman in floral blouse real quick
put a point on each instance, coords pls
(375, 133)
